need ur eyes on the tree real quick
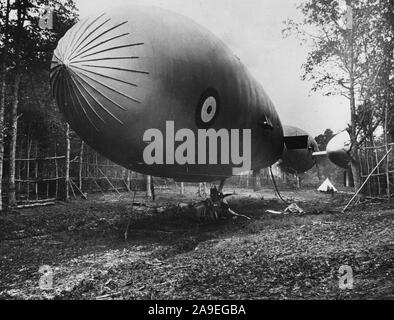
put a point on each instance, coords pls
(388, 77)
(323, 139)
(21, 8)
(5, 32)
(30, 50)
(347, 58)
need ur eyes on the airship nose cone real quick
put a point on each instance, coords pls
(338, 150)
(95, 73)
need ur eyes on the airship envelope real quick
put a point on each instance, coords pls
(132, 69)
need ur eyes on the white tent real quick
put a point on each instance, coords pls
(327, 186)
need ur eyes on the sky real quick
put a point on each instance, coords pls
(252, 29)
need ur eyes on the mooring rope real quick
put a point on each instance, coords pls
(277, 193)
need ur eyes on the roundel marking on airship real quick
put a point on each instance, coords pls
(207, 108)
(79, 70)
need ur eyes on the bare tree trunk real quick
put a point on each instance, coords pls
(36, 173)
(389, 51)
(2, 99)
(67, 175)
(95, 168)
(57, 174)
(386, 115)
(29, 144)
(81, 164)
(21, 15)
(13, 140)
(355, 163)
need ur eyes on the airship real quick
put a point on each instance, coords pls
(157, 93)
(338, 150)
(299, 159)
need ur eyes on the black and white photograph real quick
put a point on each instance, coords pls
(206, 151)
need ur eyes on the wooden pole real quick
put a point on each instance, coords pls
(21, 15)
(80, 164)
(128, 180)
(148, 186)
(80, 191)
(13, 140)
(370, 190)
(72, 189)
(99, 187)
(36, 172)
(125, 179)
(256, 180)
(50, 176)
(110, 183)
(29, 144)
(93, 177)
(182, 188)
(18, 169)
(352, 96)
(366, 180)
(95, 165)
(57, 174)
(2, 97)
(387, 148)
(377, 160)
(67, 175)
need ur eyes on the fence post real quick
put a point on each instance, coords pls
(148, 186)
(128, 180)
(80, 164)
(67, 174)
(386, 142)
(182, 188)
(366, 180)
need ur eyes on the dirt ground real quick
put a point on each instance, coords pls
(170, 254)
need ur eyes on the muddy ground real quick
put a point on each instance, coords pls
(170, 254)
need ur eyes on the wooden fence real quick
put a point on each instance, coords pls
(377, 174)
(41, 179)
